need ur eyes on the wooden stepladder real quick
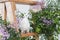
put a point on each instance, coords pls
(8, 9)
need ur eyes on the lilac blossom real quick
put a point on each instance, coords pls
(4, 35)
(47, 21)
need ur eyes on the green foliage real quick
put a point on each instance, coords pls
(13, 35)
(46, 21)
(0, 19)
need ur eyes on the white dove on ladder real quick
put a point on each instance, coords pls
(24, 24)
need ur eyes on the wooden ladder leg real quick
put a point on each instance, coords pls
(11, 7)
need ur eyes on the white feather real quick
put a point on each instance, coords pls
(24, 24)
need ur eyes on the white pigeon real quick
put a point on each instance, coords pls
(24, 24)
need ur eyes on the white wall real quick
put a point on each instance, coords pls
(23, 8)
(2, 10)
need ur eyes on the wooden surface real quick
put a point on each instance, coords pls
(28, 34)
(9, 12)
(20, 1)
(24, 1)
(13, 6)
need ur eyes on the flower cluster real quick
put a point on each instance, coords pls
(46, 21)
(4, 35)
